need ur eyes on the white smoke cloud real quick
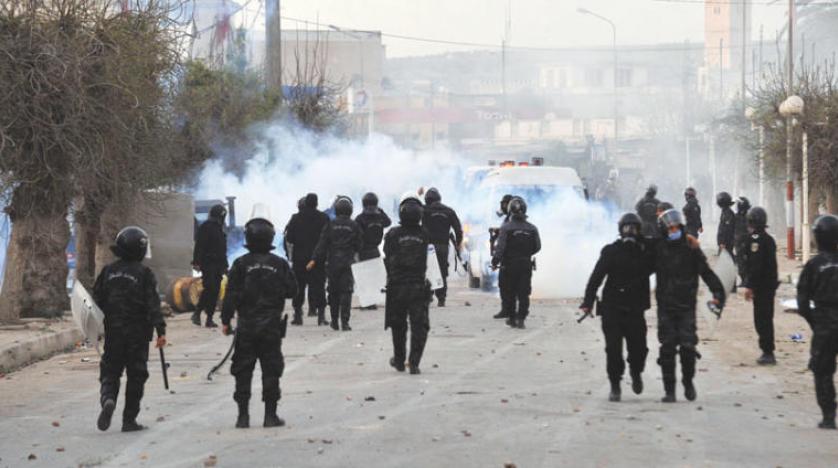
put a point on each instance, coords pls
(296, 161)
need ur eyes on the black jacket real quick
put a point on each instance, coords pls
(372, 221)
(303, 231)
(210, 245)
(740, 232)
(126, 292)
(761, 262)
(406, 255)
(677, 267)
(818, 283)
(340, 240)
(439, 220)
(518, 241)
(726, 235)
(627, 264)
(257, 287)
(647, 209)
(692, 216)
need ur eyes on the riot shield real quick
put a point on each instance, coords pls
(725, 269)
(370, 279)
(88, 316)
(434, 272)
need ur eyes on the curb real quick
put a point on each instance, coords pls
(39, 348)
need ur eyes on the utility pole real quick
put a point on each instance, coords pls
(273, 52)
(721, 70)
(790, 245)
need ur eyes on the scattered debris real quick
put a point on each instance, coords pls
(85, 359)
(369, 398)
(466, 433)
(328, 441)
(56, 424)
(382, 418)
(183, 375)
(161, 419)
(212, 460)
(510, 465)
(467, 304)
(59, 449)
(32, 456)
(504, 400)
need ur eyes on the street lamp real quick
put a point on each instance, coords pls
(792, 108)
(750, 114)
(585, 11)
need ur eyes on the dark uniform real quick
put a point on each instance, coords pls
(126, 292)
(741, 236)
(518, 241)
(647, 209)
(258, 285)
(692, 213)
(678, 266)
(408, 293)
(503, 214)
(726, 235)
(761, 278)
(819, 284)
(303, 232)
(210, 257)
(340, 241)
(439, 220)
(625, 298)
(372, 221)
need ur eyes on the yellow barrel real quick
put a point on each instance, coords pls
(184, 293)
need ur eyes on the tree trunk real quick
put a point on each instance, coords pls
(87, 236)
(35, 282)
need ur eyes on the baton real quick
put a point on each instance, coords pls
(584, 316)
(165, 367)
(224, 359)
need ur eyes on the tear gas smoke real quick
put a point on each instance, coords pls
(295, 161)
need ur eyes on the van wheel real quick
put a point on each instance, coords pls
(473, 282)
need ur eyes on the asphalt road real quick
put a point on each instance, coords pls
(488, 396)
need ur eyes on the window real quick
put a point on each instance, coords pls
(717, 10)
(593, 77)
(624, 77)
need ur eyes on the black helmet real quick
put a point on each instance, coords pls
(410, 211)
(301, 203)
(757, 218)
(370, 199)
(259, 235)
(671, 217)
(743, 205)
(664, 206)
(432, 196)
(218, 212)
(517, 206)
(652, 190)
(131, 244)
(629, 225)
(826, 232)
(343, 206)
(311, 200)
(724, 200)
(690, 192)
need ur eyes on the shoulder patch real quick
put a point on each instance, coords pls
(754, 247)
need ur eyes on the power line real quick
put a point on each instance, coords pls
(801, 3)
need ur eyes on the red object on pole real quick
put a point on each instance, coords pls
(790, 246)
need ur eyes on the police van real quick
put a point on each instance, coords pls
(544, 188)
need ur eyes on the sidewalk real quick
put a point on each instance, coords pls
(35, 339)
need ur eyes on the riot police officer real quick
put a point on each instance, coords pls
(760, 281)
(627, 265)
(677, 266)
(210, 258)
(126, 292)
(726, 234)
(440, 220)
(647, 208)
(518, 241)
(340, 241)
(372, 221)
(741, 237)
(258, 285)
(692, 213)
(303, 232)
(408, 293)
(503, 214)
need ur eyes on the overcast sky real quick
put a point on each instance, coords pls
(540, 23)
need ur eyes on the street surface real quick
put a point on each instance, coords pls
(488, 396)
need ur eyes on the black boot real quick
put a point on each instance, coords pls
(298, 316)
(131, 426)
(312, 312)
(243, 421)
(767, 359)
(689, 390)
(440, 302)
(636, 383)
(271, 419)
(669, 390)
(615, 391)
(104, 421)
(345, 326)
(210, 323)
(414, 370)
(196, 317)
(520, 324)
(399, 366)
(501, 315)
(511, 322)
(828, 421)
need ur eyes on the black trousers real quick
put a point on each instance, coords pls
(764, 318)
(211, 277)
(313, 282)
(618, 325)
(516, 288)
(266, 347)
(416, 312)
(442, 256)
(677, 335)
(822, 363)
(341, 285)
(128, 353)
